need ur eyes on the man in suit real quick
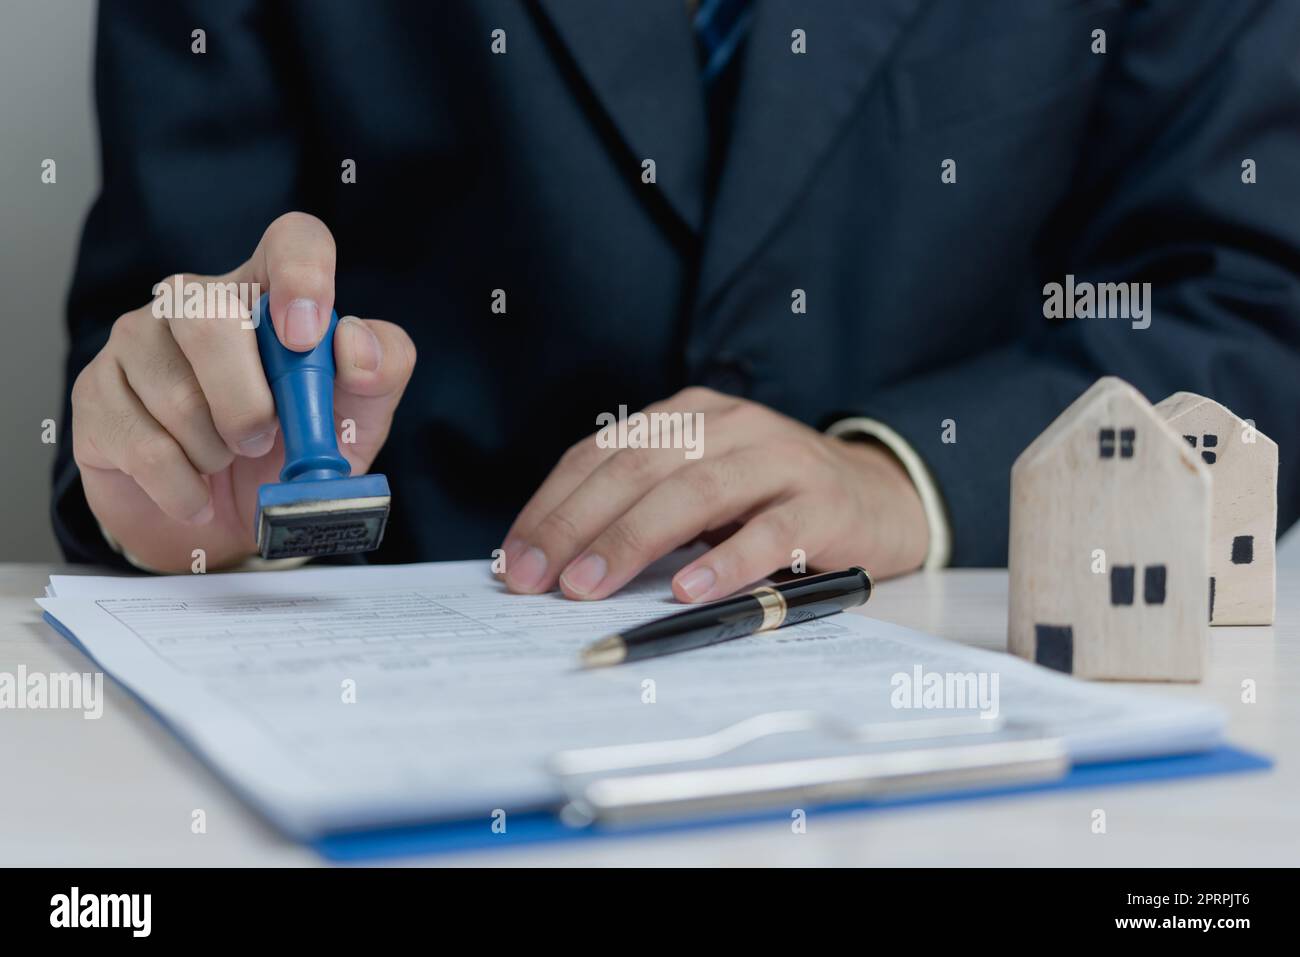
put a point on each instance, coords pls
(825, 227)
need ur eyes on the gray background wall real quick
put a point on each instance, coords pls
(45, 111)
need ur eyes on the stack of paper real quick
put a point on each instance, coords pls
(345, 698)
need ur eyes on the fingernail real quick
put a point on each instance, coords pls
(584, 575)
(509, 551)
(302, 324)
(511, 548)
(526, 574)
(364, 345)
(697, 582)
(203, 515)
(258, 445)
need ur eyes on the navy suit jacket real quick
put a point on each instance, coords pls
(522, 171)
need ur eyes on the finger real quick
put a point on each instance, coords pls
(373, 362)
(223, 355)
(158, 373)
(759, 547)
(585, 456)
(120, 432)
(618, 483)
(576, 466)
(674, 513)
(295, 260)
(525, 565)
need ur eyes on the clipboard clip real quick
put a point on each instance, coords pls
(651, 781)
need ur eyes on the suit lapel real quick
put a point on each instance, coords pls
(639, 60)
(788, 110)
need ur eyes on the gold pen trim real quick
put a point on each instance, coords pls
(610, 650)
(774, 607)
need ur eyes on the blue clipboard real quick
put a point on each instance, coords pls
(540, 827)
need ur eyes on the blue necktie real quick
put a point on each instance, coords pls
(719, 27)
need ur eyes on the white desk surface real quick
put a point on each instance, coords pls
(121, 790)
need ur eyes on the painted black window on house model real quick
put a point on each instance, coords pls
(1106, 443)
(1153, 584)
(1121, 584)
(1208, 441)
(1243, 549)
(1123, 581)
(1054, 647)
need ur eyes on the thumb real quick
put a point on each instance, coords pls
(373, 361)
(295, 261)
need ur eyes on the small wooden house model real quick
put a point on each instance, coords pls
(1110, 525)
(1243, 506)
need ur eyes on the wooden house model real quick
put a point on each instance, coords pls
(1243, 506)
(1110, 525)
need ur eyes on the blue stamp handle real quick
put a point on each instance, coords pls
(303, 386)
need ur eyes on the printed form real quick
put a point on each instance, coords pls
(340, 698)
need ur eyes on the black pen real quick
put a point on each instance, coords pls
(762, 609)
